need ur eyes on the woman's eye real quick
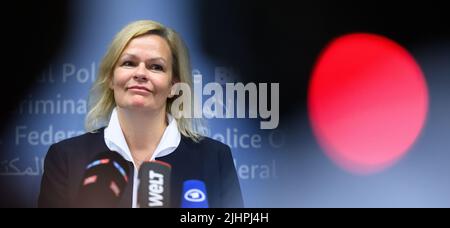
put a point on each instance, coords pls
(156, 67)
(127, 63)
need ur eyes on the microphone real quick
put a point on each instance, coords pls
(154, 185)
(104, 181)
(194, 194)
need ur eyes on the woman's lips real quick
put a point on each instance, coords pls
(139, 89)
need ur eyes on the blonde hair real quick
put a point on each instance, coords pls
(101, 97)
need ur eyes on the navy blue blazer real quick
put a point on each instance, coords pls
(208, 160)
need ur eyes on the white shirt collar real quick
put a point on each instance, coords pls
(115, 140)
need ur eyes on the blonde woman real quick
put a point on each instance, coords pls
(130, 113)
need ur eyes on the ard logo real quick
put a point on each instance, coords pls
(195, 195)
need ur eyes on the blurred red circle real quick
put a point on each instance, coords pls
(367, 102)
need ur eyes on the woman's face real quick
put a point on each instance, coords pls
(143, 74)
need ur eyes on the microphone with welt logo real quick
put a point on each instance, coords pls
(154, 185)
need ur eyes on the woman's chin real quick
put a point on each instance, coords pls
(139, 105)
(138, 102)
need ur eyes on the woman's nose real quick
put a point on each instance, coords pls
(141, 74)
